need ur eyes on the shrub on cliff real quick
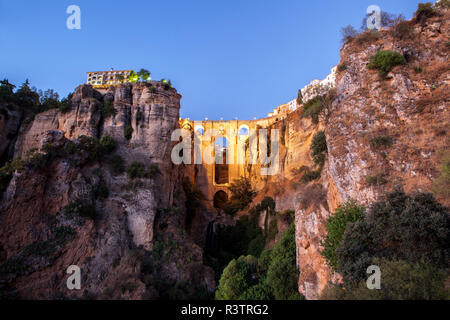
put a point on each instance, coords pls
(6, 91)
(441, 185)
(319, 148)
(424, 11)
(282, 273)
(381, 142)
(348, 33)
(442, 4)
(312, 109)
(117, 164)
(336, 225)
(384, 61)
(273, 276)
(400, 280)
(6, 173)
(268, 204)
(107, 143)
(128, 132)
(237, 278)
(79, 208)
(140, 170)
(108, 109)
(403, 30)
(242, 195)
(414, 228)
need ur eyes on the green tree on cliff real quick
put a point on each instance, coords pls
(144, 75)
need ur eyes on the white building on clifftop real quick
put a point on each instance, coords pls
(319, 87)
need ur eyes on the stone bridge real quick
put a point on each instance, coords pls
(214, 179)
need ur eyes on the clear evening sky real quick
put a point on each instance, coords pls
(234, 58)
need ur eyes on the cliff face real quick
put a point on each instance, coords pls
(381, 132)
(409, 109)
(38, 239)
(10, 120)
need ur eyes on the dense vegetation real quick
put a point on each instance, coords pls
(273, 276)
(406, 235)
(242, 195)
(245, 238)
(319, 150)
(441, 186)
(337, 223)
(384, 61)
(30, 100)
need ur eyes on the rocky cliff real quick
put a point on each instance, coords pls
(381, 132)
(69, 203)
(110, 236)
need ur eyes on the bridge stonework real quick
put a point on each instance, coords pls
(211, 179)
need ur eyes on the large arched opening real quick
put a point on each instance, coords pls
(221, 172)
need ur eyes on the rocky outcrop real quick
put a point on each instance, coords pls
(408, 108)
(39, 242)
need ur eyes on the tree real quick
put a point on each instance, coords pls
(49, 99)
(384, 61)
(27, 98)
(133, 77)
(237, 278)
(144, 75)
(441, 185)
(6, 91)
(388, 20)
(336, 225)
(413, 228)
(348, 33)
(319, 148)
(282, 273)
(242, 195)
(299, 97)
(400, 281)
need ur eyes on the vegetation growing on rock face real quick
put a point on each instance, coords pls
(381, 142)
(46, 251)
(79, 208)
(245, 238)
(441, 186)
(384, 61)
(117, 164)
(107, 143)
(6, 173)
(319, 150)
(400, 280)
(406, 235)
(336, 225)
(312, 109)
(273, 276)
(348, 33)
(32, 101)
(424, 11)
(140, 170)
(413, 228)
(128, 132)
(108, 109)
(242, 195)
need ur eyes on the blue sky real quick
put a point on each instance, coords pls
(234, 58)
